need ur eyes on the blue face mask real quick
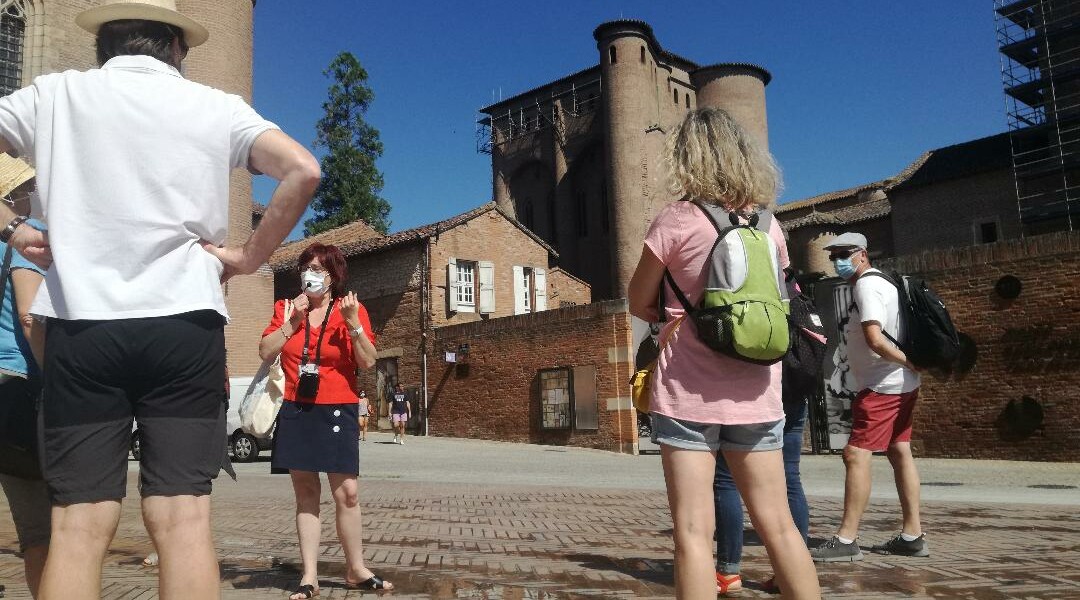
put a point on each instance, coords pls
(844, 268)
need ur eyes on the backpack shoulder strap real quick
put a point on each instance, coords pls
(678, 292)
(886, 278)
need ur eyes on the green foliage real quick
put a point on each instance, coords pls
(351, 183)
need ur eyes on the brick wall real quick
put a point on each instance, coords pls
(566, 290)
(918, 223)
(489, 237)
(494, 393)
(1029, 346)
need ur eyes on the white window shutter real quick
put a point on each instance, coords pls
(539, 290)
(487, 287)
(451, 285)
(519, 291)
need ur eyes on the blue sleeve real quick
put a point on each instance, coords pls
(17, 260)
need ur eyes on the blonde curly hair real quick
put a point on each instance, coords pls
(712, 159)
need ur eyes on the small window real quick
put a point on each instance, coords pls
(466, 290)
(555, 397)
(688, 101)
(582, 206)
(988, 233)
(675, 95)
(612, 58)
(643, 55)
(605, 225)
(526, 289)
(527, 214)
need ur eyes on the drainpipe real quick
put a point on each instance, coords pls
(425, 278)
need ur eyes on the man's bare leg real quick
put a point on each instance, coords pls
(81, 534)
(907, 485)
(180, 529)
(856, 490)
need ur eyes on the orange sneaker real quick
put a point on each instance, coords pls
(727, 585)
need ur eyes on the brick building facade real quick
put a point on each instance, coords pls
(557, 377)
(475, 267)
(577, 160)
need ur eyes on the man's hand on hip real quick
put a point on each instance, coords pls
(235, 260)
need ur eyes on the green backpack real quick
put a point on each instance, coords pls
(743, 312)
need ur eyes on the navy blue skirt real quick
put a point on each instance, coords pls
(320, 438)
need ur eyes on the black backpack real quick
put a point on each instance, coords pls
(927, 334)
(804, 362)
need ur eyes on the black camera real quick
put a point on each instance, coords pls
(308, 384)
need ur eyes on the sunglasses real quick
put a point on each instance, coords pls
(837, 254)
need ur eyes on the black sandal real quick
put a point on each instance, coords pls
(308, 590)
(373, 583)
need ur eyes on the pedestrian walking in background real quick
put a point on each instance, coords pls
(703, 401)
(21, 340)
(883, 410)
(134, 164)
(363, 412)
(400, 412)
(323, 336)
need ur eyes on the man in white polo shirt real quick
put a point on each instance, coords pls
(883, 409)
(133, 165)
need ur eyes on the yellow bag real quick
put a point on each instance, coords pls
(641, 382)
(641, 388)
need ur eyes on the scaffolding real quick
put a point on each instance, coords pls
(1039, 42)
(542, 113)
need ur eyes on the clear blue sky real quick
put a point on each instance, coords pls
(859, 89)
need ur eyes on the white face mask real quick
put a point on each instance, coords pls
(313, 283)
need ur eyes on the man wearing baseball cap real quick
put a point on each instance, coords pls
(133, 164)
(883, 408)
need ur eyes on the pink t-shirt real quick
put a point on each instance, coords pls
(693, 382)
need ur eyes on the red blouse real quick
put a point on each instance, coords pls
(337, 371)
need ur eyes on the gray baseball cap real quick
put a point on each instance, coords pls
(848, 240)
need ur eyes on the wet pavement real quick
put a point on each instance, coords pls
(449, 519)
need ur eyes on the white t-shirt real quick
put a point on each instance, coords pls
(133, 165)
(876, 300)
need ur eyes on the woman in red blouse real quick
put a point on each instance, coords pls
(323, 335)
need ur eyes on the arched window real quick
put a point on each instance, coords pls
(675, 94)
(688, 101)
(612, 58)
(13, 14)
(643, 55)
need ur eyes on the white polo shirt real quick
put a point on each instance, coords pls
(133, 166)
(876, 300)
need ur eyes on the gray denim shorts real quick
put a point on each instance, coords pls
(30, 509)
(688, 435)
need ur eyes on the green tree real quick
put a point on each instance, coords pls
(351, 183)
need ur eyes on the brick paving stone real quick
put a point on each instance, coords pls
(445, 541)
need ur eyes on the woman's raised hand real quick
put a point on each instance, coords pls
(350, 308)
(296, 308)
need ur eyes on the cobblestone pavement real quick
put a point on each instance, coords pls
(442, 539)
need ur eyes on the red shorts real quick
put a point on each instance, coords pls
(880, 420)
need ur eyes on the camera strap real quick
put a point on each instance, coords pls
(318, 342)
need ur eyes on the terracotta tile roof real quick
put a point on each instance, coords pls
(961, 160)
(347, 235)
(830, 196)
(280, 261)
(849, 215)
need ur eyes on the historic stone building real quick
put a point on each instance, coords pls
(577, 159)
(40, 36)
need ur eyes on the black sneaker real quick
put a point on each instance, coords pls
(901, 547)
(836, 551)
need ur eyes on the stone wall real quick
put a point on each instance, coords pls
(493, 392)
(1028, 346)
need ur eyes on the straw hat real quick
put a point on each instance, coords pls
(163, 11)
(13, 173)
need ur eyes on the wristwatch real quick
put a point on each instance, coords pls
(9, 231)
(356, 332)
